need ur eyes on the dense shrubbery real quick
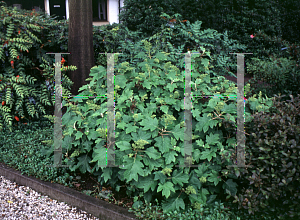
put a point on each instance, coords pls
(272, 184)
(143, 81)
(26, 77)
(117, 38)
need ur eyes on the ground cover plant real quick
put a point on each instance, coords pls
(80, 157)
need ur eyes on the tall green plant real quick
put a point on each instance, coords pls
(149, 93)
(25, 75)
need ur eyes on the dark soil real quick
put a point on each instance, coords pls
(88, 181)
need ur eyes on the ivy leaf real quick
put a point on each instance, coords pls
(230, 187)
(142, 135)
(205, 62)
(179, 177)
(200, 197)
(78, 135)
(93, 135)
(149, 124)
(152, 153)
(66, 142)
(211, 199)
(201, 170)
(177, 105)
(212, 139)
(196, 113)
(196, 155)
(203, 192)
(207, 154)
(213, 177)
(123, 145)
(173, 204)
(133, 169)
(166, 188)
(178, 132)
(107, 172)
(200, 143)
(161, 56)
(87, 145)
(203, 123)
(146, 183)
(83, 163)
(171, 87)
(169, 100)
(121, 79)
(194, 180)
(121, 125)
(164, 109)
(212, 104)
(230, 109)
(170, 156)
(123, 136)
(125, 95)
(99, 155)
(146, 84)
(160, 176)
(163, 144)
(130, 129)
(152, 164)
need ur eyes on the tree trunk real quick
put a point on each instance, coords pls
(80, 42)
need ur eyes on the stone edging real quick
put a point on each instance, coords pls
(94, 206)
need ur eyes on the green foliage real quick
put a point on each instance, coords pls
(26, 141)
(149, 142)
(26, 76)
(143, 15)
(281, 73)
(272, 184)
(186, 37)
(148, 211)
(107, 38)
(291, 21)
(240, 19)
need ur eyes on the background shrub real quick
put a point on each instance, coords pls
(272, 183)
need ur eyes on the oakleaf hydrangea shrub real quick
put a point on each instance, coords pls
(149, 115)
(25, 68)
(272, 184)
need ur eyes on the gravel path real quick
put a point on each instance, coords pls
(20, 202)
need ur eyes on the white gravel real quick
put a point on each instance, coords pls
(20, 202)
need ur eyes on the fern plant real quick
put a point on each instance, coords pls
(24, 93)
